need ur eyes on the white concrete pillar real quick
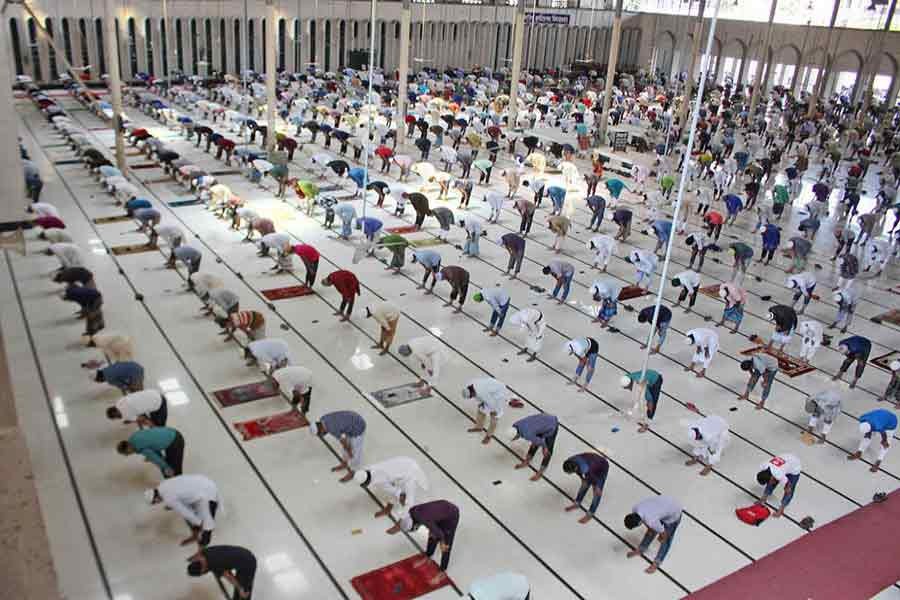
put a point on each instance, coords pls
(12, 183)
(516, 69)
(692, 64)
(824, 74)
(403, 70)
(115, 83)
(760, 84)
(611, 70)
(271, 72)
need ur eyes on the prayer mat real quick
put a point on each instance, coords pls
(808, 438)
(711, 290)
(266, 426)
(427, 243)
(68, 161)
(226, 172)
(115, 219)
(60, 145)
(884, 361)
(165, 179)
(630, 292)
(786, 364)
(891, 316)
(132, 249)
(400, 395)
(245, 393)
(399, 581)
(138, 166)
(189, 201)
(329, 188)
(292, 291)
(402, 229)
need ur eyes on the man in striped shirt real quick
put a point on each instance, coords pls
(251, 322)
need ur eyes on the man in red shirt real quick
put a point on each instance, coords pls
(347, 284)
(714, 221)
(310, 258)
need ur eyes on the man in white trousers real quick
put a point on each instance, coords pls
(492, 396)
(811, 334)
(603, 247)
(706, 344)
(430, 354)
(709, 437)
(194, 497)
(534, 323)
(823, 408)
(399, 480)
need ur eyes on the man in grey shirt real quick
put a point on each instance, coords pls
(661, 515)
(761, 365)
(350, 429)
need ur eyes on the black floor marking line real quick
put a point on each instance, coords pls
(677, 261)
(677, 401)
(613, 406)
(787, 384)
(460, 410)
(625, 470)
(327, 445)
(104, 578)
(200, 389)
(370, 290)
(363, 395)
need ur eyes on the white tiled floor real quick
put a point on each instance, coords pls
(281, 500)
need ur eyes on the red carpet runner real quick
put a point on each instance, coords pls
(399, 581)
(852, 558)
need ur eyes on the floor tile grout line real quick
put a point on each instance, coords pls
(190, 374)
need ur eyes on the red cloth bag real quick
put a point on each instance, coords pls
(753, 515)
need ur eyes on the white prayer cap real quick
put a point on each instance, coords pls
(723, 291)
(361, 476)
(150, 495)
(625, 381)
(837, 297)
(864, 428)
(895, 365)
(512, 433)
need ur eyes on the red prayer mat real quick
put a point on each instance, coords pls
(132, 249)
(786, 364)
(292, 291)
(711, 290)
(630, 292)
(139, 166)
(245, 393)
(399, 581)
(266, 426)
(884, 361)
(401, 229)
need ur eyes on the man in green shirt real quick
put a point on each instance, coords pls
(163, 446)
(397, 244)
(650, 386)
(309, 191)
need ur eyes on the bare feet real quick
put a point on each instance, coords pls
(632, 553)
(692, 461)
(571, 507)
(521, 465)
(587, 518)
(536, 476)
(346, 477)
(651, 569)
(706, 470)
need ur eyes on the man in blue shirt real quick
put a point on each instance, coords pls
(563, 272)
(880, 421)
(855, 349)
(128, 376)
(592, 469)
(499, 302)
(540, 431)
(663, 230)
(515, 245)
(431, 262)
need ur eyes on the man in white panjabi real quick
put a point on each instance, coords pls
(399, 479)
(709, 437)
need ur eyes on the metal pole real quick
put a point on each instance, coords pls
(271, 99)
(115, 82)
(515, 73)
(682, 184)
(611, 70)
(371, 115)
(403, 70)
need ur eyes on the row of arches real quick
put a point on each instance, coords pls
(200, 46)
(793, 67)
